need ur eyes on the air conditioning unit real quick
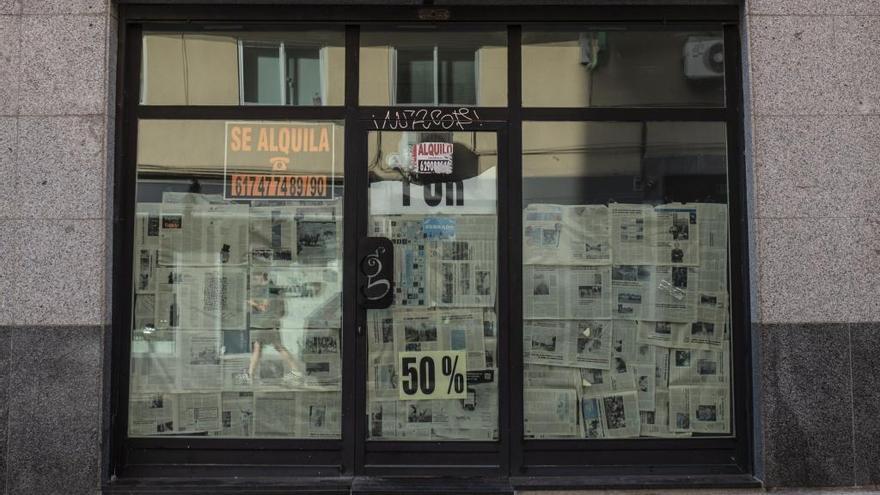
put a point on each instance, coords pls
(703, 58)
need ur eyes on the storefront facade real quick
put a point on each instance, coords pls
(405, 248)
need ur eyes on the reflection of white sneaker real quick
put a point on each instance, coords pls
(295, 379)
(243, 378)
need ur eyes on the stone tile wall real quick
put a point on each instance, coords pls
(56, 76)
(814, 119)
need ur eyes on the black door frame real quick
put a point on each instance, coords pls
(454, 458)
(173, 457)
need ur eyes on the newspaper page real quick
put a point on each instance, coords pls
(675, 234)
(237, 414)
(551, 413)
(655, 423)
(410, 256)
(693, 335)
(462, 260)
(610, 415)
(463, 331)
(201, 298)
(436, 330)
(629, 234)
(275, 414)
(581, 343)
(322, 359)
(197, 413)
(662, 333)
(382, 419)
(620, 378)
(659, 293)
(712, 306)
(667, 234)
(699, 409)
(698, 367)
(203, 235)
(382, 380)
(539, 376)
(200, 356)
(562, 235)
(661, 380)
(270, 371)
(235, 371)
(319, 235)
(151, 414)
(645, 386)
(567, 292)
(146, 246)
(318, 415)
(713, 247)
(144, 318)
(704, 335)
(674, 298)
(272, 236)
(293, 297)
(474, 418)
(297, 414)
(153, 372)
(417, 418)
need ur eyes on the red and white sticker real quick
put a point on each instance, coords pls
(432, 158)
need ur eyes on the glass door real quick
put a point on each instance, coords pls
(432, 380)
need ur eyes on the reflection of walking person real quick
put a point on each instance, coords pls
(272, 336)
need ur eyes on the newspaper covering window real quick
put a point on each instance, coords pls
(236, 318)
(444, 261)
(626, 313)
(398, 330)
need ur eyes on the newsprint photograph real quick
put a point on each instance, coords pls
(439, 247)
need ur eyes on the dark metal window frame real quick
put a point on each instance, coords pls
(534, 463)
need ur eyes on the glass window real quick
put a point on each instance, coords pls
(304, 68)
(616, 67)
(237, 280)
(433, 68)
(433, 194)
(625, 280)
(261, 73)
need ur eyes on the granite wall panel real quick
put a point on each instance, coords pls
(61, 168)
(4, 402)
(60, 273)
(857, 48)
(43, 7)
(798, 168)
(866, 402)
(807, 405)
(790, 65)
(63, 65)
(813, 7)
(54, 410)
(804, 269)
(8, 259)
(8, 150)
(10, 29)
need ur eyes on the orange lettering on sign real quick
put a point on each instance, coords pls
(246, 139)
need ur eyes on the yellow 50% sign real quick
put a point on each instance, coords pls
(433, 375)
